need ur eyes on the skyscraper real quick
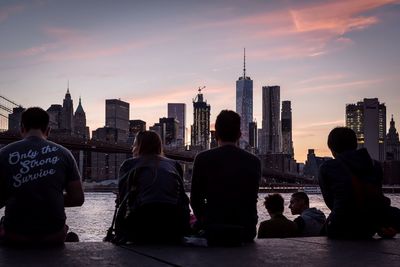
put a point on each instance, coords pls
(67, 113)
(171, 130)
(287, 142)
(244, 103)
(368, 119)
(178, 111)
(55, 114)
(117, 116)
(14, 119)
(392, 143)
(253, 134)
(80, 128)
(270, 140)
(200, 130)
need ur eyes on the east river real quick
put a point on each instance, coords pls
(92, 220)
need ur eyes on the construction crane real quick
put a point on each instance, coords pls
(201, 88)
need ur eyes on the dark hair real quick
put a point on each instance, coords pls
(274, 203)
(35, 118)
(149, 143)
(303, 196)
(342, 139)
(227, 126)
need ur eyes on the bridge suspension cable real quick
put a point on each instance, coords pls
(6, 108)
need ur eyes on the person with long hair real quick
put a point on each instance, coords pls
(151, 187)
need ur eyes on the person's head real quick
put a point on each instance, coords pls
(227, 126)
(342, 139)
(299, 202)
(35, 120)
(274, 204)
(147, 143)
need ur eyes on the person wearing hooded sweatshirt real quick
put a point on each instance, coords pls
(351, 185)
(311, 220)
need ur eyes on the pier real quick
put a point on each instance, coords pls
(311, 251)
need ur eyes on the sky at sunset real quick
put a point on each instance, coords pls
(323, 54)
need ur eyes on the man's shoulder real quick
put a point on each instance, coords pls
(330, 164)
(227, 150)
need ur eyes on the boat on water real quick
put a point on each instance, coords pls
(311, 190)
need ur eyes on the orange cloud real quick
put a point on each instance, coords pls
(182, 94)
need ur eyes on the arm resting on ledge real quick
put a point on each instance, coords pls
(74, 197)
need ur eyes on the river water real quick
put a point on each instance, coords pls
(92, 220)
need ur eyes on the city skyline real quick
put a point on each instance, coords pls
(151, 54)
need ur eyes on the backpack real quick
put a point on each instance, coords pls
(125, 211)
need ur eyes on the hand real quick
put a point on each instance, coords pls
(387, 232)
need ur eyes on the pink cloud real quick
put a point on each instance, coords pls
(337, 17)
(8, 11)
(311, 31)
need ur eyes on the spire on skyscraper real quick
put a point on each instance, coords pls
(68, 87)
(244, 63)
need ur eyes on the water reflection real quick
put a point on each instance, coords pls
(92, 220)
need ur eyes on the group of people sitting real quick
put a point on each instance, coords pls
(310, 221)
(38, 178)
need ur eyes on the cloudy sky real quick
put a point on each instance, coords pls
(323, 54)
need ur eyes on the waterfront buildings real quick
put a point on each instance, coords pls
(244, 103)
(135, 126)
(200, 130)
(286, 122)
(312, 164)
(55, 114)
(392, 143)
(104, 165)
(368, 119)
(159, 128)
(67, 113)
(270, 138)
(253, 134)
(117, 116)
(170, 131)
(14, 119)
(178, 111)
(79, 122)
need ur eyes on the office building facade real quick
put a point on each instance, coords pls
(271, 125)
(368, 119)
(286, 123)
(200, 130)
(178, 111)
(117, 116)
(392, 143)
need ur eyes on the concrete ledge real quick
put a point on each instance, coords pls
(317, 251)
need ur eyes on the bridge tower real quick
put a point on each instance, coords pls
(10, 113)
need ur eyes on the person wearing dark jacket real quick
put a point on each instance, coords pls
(225, 183)
(351, 185)
(158, 208)
(278, 226)
(311, 220)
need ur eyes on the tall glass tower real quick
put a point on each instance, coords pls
(244, 103)
(287, 142)
(271, 141)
